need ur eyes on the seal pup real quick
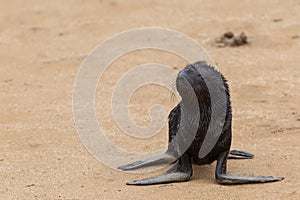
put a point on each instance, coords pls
(188, 126)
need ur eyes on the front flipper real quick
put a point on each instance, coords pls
(181, 171)
(156, 160)
(235, 154)
(223, 177)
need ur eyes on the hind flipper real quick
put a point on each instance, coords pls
(181, 171)
(225, 178)
(156, 160)
(235, 154)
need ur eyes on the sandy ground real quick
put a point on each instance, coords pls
(42, 45)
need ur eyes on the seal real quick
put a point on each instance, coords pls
(184, 120)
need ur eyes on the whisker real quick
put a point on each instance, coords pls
(173, 90)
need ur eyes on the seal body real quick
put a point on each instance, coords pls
(188, 81)
(189, 124)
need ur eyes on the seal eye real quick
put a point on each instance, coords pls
(198, 75)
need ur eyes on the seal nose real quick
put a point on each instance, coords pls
(186, 71)
(183, 77)
(181, 74)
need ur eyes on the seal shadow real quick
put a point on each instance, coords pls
(204, 173)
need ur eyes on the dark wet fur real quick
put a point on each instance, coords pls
(204, 103)
(182, 169)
